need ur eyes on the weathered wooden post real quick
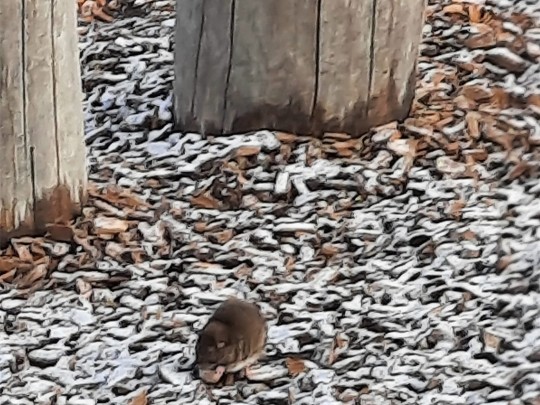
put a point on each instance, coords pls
(303, 66)
(42, 151)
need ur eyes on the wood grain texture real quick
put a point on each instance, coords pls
(189, 21)
(273, 43)
(213, 64)
(343, 87)
(303, 66)
(41, 120)
(395, 45)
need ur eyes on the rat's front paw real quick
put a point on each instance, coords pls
(212, 376)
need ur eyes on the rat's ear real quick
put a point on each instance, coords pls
(220, 345)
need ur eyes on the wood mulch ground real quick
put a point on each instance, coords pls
(402, 267)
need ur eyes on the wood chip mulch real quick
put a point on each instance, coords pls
(399, 268)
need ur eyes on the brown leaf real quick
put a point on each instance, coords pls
(295, 366)
(139, 399)
(205, 200)
(60, 233)
(8, 263)
(246, 151)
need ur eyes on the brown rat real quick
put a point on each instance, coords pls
(232, 340)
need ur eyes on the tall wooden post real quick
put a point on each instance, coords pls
(304, 66)
(42, 152)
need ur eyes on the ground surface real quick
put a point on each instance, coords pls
(401, 268)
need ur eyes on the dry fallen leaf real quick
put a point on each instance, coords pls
(295, 366)
(8, 263)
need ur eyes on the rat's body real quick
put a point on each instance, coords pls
(233, 339)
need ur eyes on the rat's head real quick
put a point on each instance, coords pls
(214, 345)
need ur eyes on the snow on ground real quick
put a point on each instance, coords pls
(399, 268)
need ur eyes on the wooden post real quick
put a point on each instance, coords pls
(42, 152)
(303, 66)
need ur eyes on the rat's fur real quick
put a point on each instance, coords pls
(234, 337)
